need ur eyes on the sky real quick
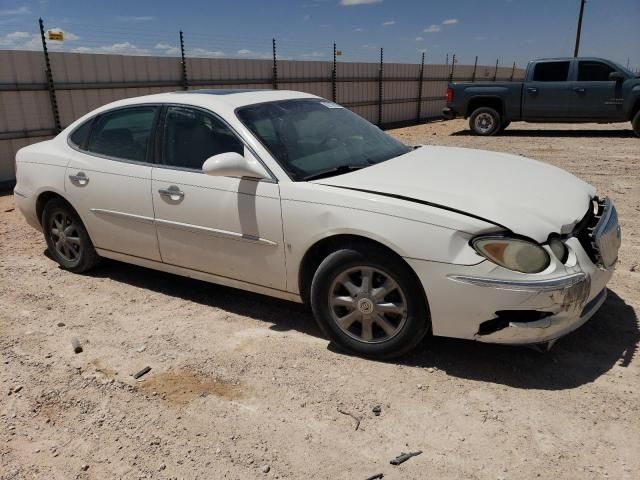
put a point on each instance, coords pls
(509, 30)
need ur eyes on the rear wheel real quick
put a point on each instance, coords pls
(485, 121)
(369, 304)
(635, 123)
(67, 239)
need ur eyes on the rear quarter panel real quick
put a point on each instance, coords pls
(509, 94)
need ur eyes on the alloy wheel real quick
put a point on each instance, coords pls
(65, 236)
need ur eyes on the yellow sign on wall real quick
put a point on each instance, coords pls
(55, 35)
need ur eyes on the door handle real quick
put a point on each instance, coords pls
(79, 179)
(579, 89)
(532, 90)
(173, 192)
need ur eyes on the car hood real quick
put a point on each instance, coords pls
(528, 197)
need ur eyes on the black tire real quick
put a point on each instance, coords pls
(485, 121)
(410, 326)
(635, 123)
(73, 249)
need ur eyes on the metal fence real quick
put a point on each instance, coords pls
(42, 92)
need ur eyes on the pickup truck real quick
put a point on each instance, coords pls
(572, 90)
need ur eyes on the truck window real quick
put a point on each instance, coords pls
(551, 72)
(593, 71)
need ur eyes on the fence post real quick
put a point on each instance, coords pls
(446, 62)
(420, 80)
(453, 66)
(380, 88)
(334, 93)
(495, 72)
(185, 80)
(50, 84)
(275, 66)
(513, 71)
(475, 67)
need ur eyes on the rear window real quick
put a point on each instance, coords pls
(551, 72)
(80, 134)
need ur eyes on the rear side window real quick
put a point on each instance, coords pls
(551, 72)
(80, 134)
(123, 133)
(594, 72)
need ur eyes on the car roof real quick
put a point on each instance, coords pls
(215, 99)
(566, 59)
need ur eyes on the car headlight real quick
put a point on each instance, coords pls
(513, 253)
(559, 249)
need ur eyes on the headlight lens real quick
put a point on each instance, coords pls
(513, 253)
(559, 249)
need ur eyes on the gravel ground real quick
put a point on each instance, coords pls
(244, 387)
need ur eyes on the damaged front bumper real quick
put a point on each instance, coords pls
(558, 306)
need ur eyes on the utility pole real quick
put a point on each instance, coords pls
(575, 52)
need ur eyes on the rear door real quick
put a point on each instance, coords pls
(594, 96)
(546, 93)
(108, 181)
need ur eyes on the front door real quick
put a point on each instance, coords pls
(546, 93)
(108, 181)
(226, 226)
(594, 96)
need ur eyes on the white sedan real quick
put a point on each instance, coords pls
(289, 195)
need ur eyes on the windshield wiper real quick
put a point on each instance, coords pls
(330, 172)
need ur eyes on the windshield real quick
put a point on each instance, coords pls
(314, 137)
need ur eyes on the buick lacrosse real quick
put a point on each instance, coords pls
(289, 195)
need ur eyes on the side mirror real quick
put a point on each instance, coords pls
(232, 164)
(616, 76)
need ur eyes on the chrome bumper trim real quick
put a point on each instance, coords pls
(522, 285)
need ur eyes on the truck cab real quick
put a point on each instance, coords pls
(572, 90)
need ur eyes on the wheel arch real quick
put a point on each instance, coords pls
(45, 197)
(486, 101)
(318, 251)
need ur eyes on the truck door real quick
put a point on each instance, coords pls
(546, 91)
(593, 95)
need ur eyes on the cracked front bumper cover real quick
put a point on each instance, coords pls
(565, 299)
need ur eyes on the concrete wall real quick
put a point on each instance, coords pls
(86, 81)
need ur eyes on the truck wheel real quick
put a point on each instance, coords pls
(635, 123)
(485, 121)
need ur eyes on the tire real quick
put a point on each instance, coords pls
(635, 123)
(397, 331)
(73, 249)
(485, 121)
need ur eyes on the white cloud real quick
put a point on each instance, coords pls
(432, 29)
(419, 39)
(351, 3)
(389, 23)
(306, 18)
(119, 48)
(314, 55)
(325, 25)
(32, 41)
(450, 21)
(359, 29)
(145, 18)
(16, 11)
(202, 52)
(244, 51)
(167, 49)
(369, 46)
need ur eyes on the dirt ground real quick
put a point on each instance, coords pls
(244, 387)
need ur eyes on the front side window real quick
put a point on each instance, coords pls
(314, 137)
(594, 71)
(191, 136)
(551, 72)
(123, 133)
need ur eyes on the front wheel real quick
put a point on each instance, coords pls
(635, 123)
(67, 239)
(485, 121)
(369, 304)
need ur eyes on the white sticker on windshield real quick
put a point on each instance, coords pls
(331, 105)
